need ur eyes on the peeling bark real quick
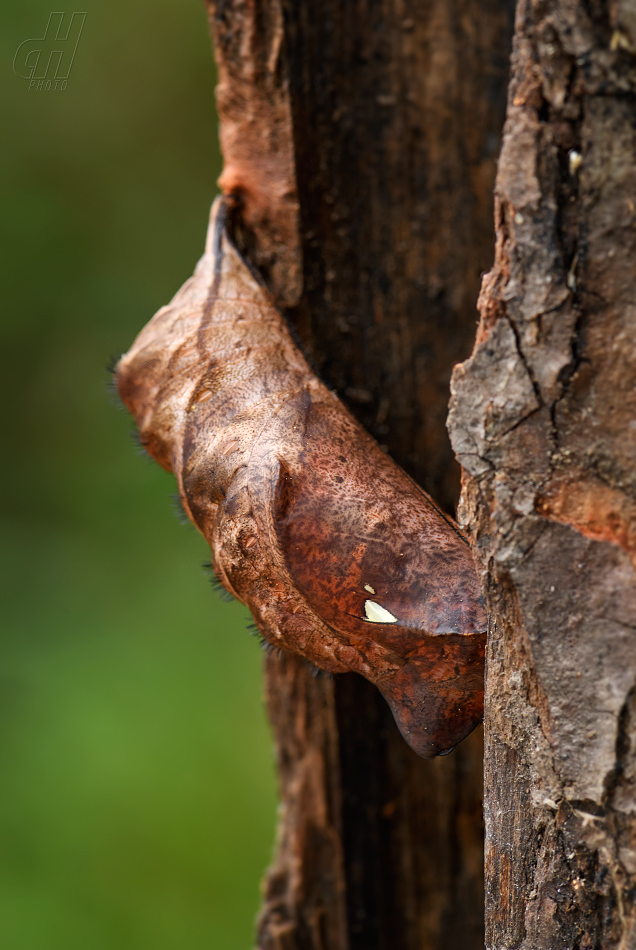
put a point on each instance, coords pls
(542, 420)
(252, 98)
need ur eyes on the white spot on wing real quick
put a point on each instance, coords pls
(369, 588)
(377, 614)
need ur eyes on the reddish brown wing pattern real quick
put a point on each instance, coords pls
(338, 554)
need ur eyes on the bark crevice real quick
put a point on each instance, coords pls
(390, 126)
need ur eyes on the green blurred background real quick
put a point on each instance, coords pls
(137, 792)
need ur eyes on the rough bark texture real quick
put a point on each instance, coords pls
(394, 113)
(543, 421)
(305, 890)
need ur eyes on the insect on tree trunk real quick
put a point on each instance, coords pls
(543, 420)
(362, 144)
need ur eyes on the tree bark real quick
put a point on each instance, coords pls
(361, 139)
(543, 421)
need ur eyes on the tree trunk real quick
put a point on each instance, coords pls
(362, 141)
(544, 422)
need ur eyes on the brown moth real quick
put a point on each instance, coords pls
(339, 555)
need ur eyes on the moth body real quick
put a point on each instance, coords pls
(338, 553)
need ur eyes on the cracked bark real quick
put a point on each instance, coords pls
(362, 140)
(542, 420)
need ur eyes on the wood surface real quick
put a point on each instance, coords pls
(543, 421)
